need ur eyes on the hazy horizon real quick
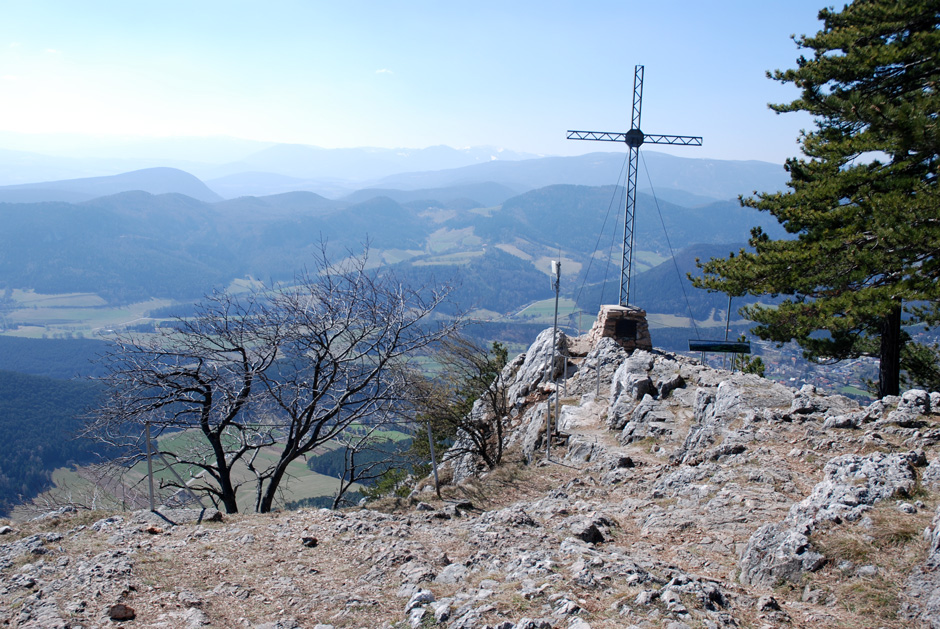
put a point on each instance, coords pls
(79, 79)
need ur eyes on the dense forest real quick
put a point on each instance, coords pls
(39, 419)
(54, 358)
(333, 462)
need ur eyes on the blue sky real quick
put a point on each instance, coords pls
(514, 75)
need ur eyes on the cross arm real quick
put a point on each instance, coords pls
(602, 136)
(636, 137)
(684, 140)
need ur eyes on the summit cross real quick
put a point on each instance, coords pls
(633, 138)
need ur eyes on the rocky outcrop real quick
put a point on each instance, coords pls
(534, 370)
(851, 485)
(923, 586)
(676, 496)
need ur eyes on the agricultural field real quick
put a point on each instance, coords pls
(445, 239)
(646, 260)
(82, 315)
(128, 488)
(544, 310)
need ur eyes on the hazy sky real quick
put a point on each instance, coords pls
(510, 74)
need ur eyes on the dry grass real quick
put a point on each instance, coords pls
(894, 544)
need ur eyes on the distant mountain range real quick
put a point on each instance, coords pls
(489, 228)
(678, 179)
(685, 181)
(362, 164)
(334, 172)
(152, 180)
(135, 245)
(681, 180)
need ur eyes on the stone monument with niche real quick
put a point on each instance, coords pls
(625, 324)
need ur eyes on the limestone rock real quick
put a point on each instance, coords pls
(781, 552)
(776, 554)
(535, 366)
(915, 401)
(454, 573)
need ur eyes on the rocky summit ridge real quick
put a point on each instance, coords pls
(678, 496)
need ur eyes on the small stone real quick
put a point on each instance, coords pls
(407, 590)
(566, 608)
(195, 618)
(309, 542)
(811, 596)
(5, 529)
(188, 599)
(423, 506)
(646, 597)
(441, 611)
(121, 612)
(767, 603)
(454, 573)
(419, 599)
(416, 617)
(867, 571)
(534, 623)
(587, 531)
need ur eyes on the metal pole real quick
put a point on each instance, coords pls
(597, 368)
(150, 468)
(184, 486)
(557, 411)
(565, 385)
(728, 319)
(556, 281)
(437, 484)
(727, 332)
(548, 429)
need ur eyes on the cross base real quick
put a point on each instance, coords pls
(625, 324)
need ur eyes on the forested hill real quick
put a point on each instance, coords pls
(134, 245)
(152, 180)
(39, 419)
(53, 358)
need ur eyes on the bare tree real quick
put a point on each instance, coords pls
(281, 369)
(198, 377)
(466, 402)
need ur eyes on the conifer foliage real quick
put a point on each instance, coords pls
(862, 200)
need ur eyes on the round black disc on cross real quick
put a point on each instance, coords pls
(634, 138)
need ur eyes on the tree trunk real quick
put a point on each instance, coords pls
(227, 494)
(226, 489)
(889, 375)
(270, 492)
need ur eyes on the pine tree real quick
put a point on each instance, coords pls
(862, 201)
